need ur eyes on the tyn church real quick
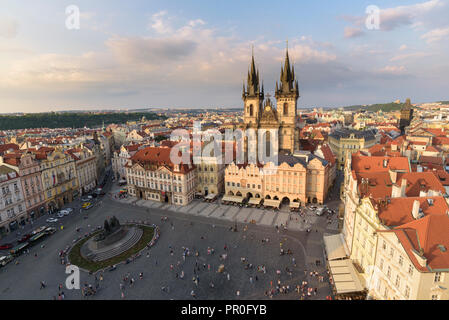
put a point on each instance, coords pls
(259, 113)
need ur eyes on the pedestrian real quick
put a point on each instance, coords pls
(251, 280)
(192, 293)
(43, 285)
(229, 276)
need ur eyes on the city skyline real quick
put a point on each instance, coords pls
(196, 55)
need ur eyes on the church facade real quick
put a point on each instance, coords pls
(260, 113)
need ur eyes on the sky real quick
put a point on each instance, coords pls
(196, 53)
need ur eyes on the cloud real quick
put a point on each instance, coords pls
(403, 47)
(393, 70)
(436, 35)
(351, 32)
(159, 23)
(414, 16)
(150, 51)
(8, 27)
(412, 55)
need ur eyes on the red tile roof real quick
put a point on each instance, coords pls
(9, 146)
(378, 185)
(159, 156)
(399, 211)
(362, 163)
(426, 236)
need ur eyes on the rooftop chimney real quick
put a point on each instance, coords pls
(415, 209)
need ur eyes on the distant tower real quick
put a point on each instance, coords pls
(406, 116)
(252, 96)
(287, 94)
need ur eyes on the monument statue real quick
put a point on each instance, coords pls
(109, 228)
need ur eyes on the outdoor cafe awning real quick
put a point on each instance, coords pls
(344, 276)
(233, 199)
(254, 200)
(335, 247)
(271, 203)
(210, 196)
(294, 204)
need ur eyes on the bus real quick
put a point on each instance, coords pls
(38, 236)
(19, 249)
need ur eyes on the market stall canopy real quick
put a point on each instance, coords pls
(294, 204)
(345, 276)
(271, 203)
(255, 200)
(233, 199)
(335, 247)
(210, 196)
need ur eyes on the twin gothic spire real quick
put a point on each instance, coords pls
(288, 82)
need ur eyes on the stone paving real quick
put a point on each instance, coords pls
(197, 226)
(265, 217)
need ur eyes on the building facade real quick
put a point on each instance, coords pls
(85, 167)
(345, 142)
(12, 204)
(301, 178)
(151, 175)
(59, 179)
(31, 183)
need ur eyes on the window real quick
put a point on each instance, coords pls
(398, 282)
(401, 260)
(381, 264)
(389, 272)
(407, 292)
(437, 277)
(410, 270)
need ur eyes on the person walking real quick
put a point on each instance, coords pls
(228, 276)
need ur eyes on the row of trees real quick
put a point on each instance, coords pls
(71, 120)
(385, 107)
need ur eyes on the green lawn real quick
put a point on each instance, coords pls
(76, 258)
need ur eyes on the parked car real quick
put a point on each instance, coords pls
(64, 212)
(87, 205)
(60, 215)
(5, 246)
(99, 192)
(4, 260)
(86, 198)
(52, 220)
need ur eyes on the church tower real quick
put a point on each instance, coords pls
(287, 94)
(253, 96)
(406, 116)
